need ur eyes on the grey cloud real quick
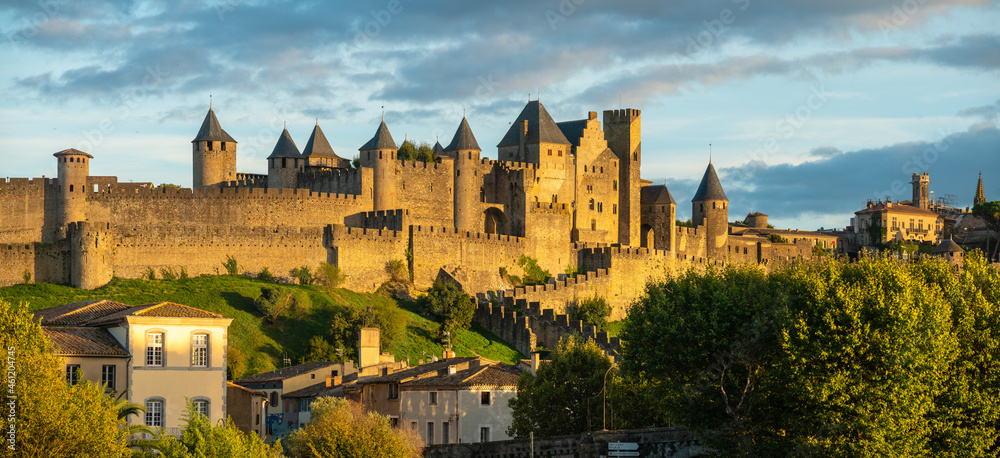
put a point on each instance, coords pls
(987, 113)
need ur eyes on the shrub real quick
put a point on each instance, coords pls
(330, 276)
(168, 273)
(397, 270)
(339, 426)
(265, 275)
(594, 311)
(271, 302)
(775, 238)
(533, 273)
(452, 307)
(572, 270)
(303, 275)
(184, 273)
(232, 268)
(26, 276)
(150, 274)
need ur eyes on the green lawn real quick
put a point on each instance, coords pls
(255, 345)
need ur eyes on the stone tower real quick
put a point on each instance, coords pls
(980, 194)
(73, 170)
(284, 163)
(534, 137)
(756, 220)
(380, 154)
(710, 208)
(319, 153)
(466, 191)
(623, 131)
(214, 154)
(921, 190)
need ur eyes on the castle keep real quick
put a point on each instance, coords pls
(568, 194)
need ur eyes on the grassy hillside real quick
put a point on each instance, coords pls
(256, 345)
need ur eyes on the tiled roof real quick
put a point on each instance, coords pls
(78, 313)
(318, 146)
(248, 390)
(285, 147)
(72, 152)
(83, 341)
(381, 140)
(438, 149)
(159, 309)
(659, 194)
(211, 130)
(710, 187)
(463, 138)
(880, 207)
(493, 375)
(421, 370)
(541, 127)
(320, 389)
(948, 246)
(285, 372)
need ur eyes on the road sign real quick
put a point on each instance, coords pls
(622, 453)
(623, 446)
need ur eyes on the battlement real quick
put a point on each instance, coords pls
(381, 219)
(624, 115)
(688, 231)
(424, 165)
(548, 207)
(625, 252)
(22, 187)
(221, 193)
(339, 233)
(453, 232)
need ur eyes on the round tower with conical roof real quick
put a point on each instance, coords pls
(710, 208)
(213, 154)
(380, 154)
(73, 170)
(284, 163)
(466, 151)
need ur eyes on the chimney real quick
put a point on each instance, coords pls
(452, 370)
(328, 381)
(534, 363)
(338, 380)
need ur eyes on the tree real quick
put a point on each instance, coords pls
(51, 417)
(563, 395)
(990, 213)
(200, 439)
(451, 306)
(876, 357)
(426, 153)
(775, 238)
(304, 275)
(397, 270)
(533, 273)
(330, 276)
(271, 302)
(594, 310)
(339, 428)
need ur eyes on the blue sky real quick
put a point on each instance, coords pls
(811, 107)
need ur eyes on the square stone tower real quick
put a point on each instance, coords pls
(623, 131)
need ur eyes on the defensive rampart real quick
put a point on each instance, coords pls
(362, 254)
(476, 252)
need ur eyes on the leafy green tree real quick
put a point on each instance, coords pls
(356, 162)
(990, 213)
(451, 306)
(564, 394)
(594, 310)
(876, 357)
(231, 266)
(775, 238)
(330, 276)
(304, 275)
(342, 429)
(345, 327)
(425, 153)
(406, 151)
(271, 302)
(686, 223)
(52, 418)
(200, 439)
(321, 350)
(533, 273)
(397, 270)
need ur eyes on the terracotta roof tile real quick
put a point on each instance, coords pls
(84, 341)
(285, 372)
(492, 375)
(78, 313)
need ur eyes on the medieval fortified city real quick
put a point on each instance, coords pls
(563, 293)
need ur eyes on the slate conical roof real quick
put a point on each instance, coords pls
(948, 246)
(710, 188)
(211, 131)
(541, 127)
(655, 195)
(438, 149)
(463, 138)
(285, 147)
(381, 140)
(318, 146)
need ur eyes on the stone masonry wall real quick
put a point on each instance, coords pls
(653, 443)
(362, 254)
(435, 247)
(46, 262)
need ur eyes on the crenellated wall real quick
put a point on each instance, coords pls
(436, 247)
(46, 262)
(425, 188)
(362, 254)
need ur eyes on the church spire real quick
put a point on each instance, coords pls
(980, 195)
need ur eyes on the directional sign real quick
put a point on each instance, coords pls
(623, 446)
(622, 453)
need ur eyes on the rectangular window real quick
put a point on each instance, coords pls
(550, 152)
(433, 398)
(484, 398)
(484, 434)
(108, 376)
(394, 421)
(154, 413)
(154, 349)
(393, 391)
(430, 433)
(445, 433)
(201, 406)
(72, 374)
(199, 350)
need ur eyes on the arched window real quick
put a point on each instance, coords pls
(70, 188)
(591, 204)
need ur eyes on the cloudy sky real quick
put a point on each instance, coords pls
(811, 107)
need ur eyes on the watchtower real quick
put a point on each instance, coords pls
(214, 154)
(921, 189)
(73, 170)
(284, 163)
(380, 154)
(466, 191)
(710, 208)
(623, 131)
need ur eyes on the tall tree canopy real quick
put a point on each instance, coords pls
(871, 358)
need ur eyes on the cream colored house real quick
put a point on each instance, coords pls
(163, 353)
(461, 406)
